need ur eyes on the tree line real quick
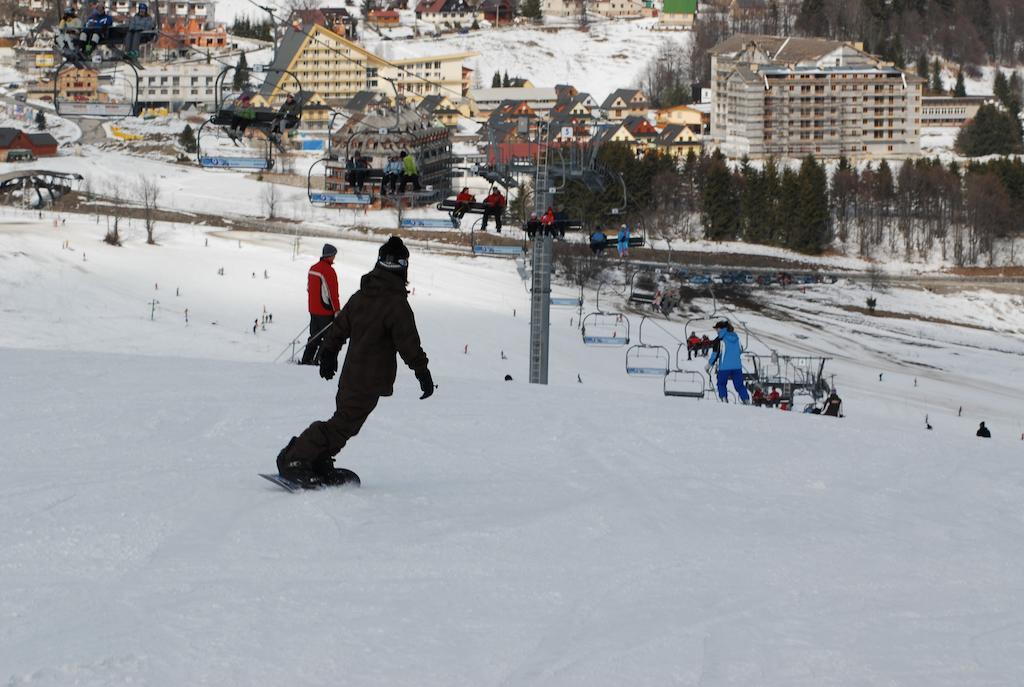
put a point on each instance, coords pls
(920, 209)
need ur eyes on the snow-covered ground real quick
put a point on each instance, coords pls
(506, 534)
(611, 55)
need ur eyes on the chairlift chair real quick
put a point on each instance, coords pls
(105, 90)
(643, 287)
(115, 93)
(684, 384)
(229, 141)
(646, 359)
(605, 328)
(491, 247)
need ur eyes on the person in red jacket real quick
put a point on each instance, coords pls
(323, 302)
(758, 397)
(547, 222)
(774, 398)
(462, 203)
(495, 203)
(692, 346)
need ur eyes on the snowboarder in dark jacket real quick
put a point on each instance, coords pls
(983, 432)
(378, 324)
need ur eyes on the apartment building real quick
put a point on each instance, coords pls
(202, 11)
(336, 68)
(175, 86)
(790, 97)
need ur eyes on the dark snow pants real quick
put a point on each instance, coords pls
(324, 438)
(317, 325)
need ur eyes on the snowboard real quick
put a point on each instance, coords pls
(347, 479)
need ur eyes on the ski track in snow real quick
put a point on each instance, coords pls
(506, 534)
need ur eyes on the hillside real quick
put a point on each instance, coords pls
(506, 534)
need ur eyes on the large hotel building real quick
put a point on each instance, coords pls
(790, 97)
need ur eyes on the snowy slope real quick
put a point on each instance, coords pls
(611, 55)
(594, 534)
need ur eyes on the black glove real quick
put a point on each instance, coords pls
(328, 366)
(426, 384)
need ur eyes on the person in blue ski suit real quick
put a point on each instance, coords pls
(623, 241)
(728, 354)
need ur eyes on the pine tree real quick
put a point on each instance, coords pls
(960, 90)
(531, 9)
(812, 19)
(1001, 88)
(721, 214)
(505, 82)
(187, 139)
(922, 67)
(937, 76)
(788, 202)
(1016, 87)
(40, 120)
(810, 233)
(496, 80)
(241, 80)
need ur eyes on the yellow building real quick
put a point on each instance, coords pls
(678, 140)
(77, 85)
(336, 68)
(683, 115)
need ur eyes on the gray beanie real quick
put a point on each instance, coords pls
(329, 251)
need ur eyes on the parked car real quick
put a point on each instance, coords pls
(19, 155)
(700, 280)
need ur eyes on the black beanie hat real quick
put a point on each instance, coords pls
(391, 253)
(328, 251)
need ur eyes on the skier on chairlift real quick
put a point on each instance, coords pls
(140, 24)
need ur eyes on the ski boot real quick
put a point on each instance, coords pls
(331, 476)
(297, 471)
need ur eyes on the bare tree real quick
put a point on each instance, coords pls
(664, 78)
(271, 200)
(148, 193)
(578, 263)
(113, 235)
(10, 12)
(669, 211)
(285, 164)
